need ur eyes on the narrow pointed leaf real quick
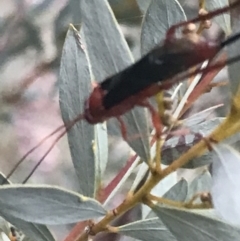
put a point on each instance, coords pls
(47, 204)
(149, 229)
(108, 53)
(74, 88)
(188, 226)
(38, 231)
(160, 16)
(31, 230)
(165, 185)
(226, 183)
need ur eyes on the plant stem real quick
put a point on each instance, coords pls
(123, 207)
(230, 126)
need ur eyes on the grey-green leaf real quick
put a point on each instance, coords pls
(31, 230)
(211, 213)
(188, 226)
(233, 69)
(165, 185)
(226, 180)
(45, 204)
(143, 5)
(149, 229)
(38, 231)
(160, 16)
(108, 53)
(74, 89)
(176, 193)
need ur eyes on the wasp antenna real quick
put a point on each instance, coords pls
(33, 149)
(44, 156)
(230, 40)
(68, 127)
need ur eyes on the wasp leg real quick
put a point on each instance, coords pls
(204, 17)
